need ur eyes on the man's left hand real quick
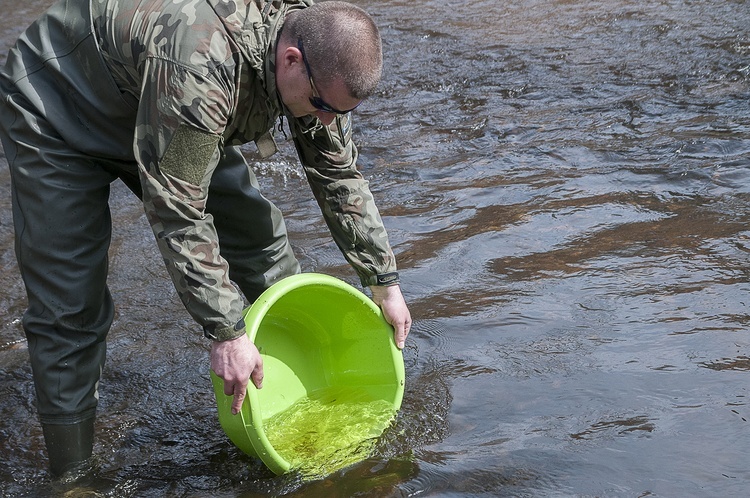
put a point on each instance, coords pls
(395, 311)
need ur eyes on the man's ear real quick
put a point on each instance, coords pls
(291, 56)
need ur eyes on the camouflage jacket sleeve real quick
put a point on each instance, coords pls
(181, 115)
(329, 158)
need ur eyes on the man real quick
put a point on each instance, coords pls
(159, 93)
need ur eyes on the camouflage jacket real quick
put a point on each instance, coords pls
(200, 75)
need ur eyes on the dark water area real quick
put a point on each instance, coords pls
(567, 188)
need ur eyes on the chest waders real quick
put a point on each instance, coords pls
(67, 134)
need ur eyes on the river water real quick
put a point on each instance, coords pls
(567, 187)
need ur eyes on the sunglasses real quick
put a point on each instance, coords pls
(315, 100)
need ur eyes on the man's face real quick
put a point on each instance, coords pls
(304, 97)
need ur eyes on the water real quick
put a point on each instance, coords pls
(328, 430)
(567, 187)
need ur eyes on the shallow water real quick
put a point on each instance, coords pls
(566, 184)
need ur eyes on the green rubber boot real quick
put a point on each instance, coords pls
(69, 446)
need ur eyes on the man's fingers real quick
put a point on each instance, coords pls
(238, 391)
(401, 332)
(257, 375)
(239, 397)
(400, 337)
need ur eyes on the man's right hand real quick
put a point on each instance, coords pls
(237, 361)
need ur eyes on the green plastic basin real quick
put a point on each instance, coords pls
(314, 332)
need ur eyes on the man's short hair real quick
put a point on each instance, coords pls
(341, 41)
